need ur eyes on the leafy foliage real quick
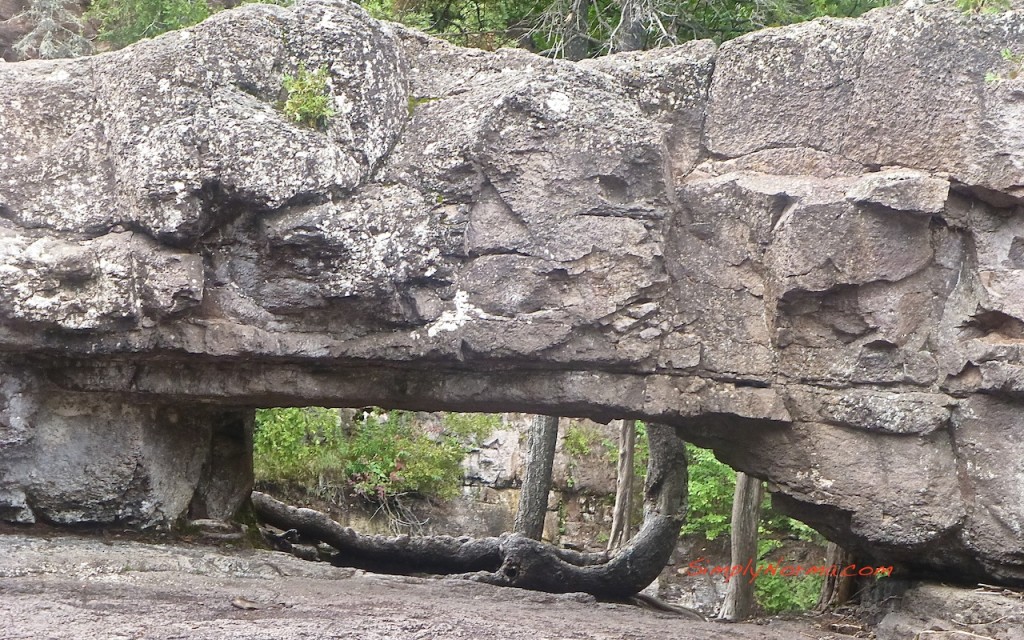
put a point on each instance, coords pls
(549, 26)
(388, 457)
(291, 444)
(983, 6)
(641, 453)
(581, 441)
(577, 443)
(619, 25)
(712, 485)
(484, 24)
(578, 440)
(471, 428)
(309, 96)
(384, 456)
(1016, 70)
(123, 22)
(601, 26)
(777, 593)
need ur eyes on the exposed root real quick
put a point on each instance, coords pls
(514, 560)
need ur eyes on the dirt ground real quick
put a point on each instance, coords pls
(65, 586)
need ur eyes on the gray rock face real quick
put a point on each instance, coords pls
(945, 611)
(804, 248)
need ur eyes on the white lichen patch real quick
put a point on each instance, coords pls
(91, 284)
(558, 102)
(453, 319)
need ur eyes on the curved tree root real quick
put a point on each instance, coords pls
(513, 560)
(382, 554)
(529, 564)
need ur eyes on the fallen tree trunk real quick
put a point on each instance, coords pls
(514, 560)
(382, 554)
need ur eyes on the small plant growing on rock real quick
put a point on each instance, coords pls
(577, 441)
(309, 97)
(471, 429)
(1016, 62)
(982, 6)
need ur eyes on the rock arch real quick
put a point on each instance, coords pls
(800, 248)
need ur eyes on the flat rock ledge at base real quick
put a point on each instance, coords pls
(942, 612)
(54, 585)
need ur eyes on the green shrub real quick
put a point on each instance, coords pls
(983, 6)
(384, 457)
(642, 453)
(711, 488)
(471, 428)
(1015, 69)
(122, 22)
(309, 97)
(577, 441)
(485, 24)
(388, 457)
(712, 485)
(294, 444)
(777, 593)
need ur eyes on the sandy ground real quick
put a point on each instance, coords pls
(86, 587)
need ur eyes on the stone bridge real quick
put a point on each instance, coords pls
(803, 248)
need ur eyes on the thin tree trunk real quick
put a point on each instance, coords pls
(621, 529)
(577, 31)
(533, 497)
(629, 35)
(746, 513)
(836, 589)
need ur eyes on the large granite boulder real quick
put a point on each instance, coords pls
(804, 248)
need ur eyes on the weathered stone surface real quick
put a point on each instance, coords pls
(98, 459)
(53, 588)
(897, 88)
(804, 248)
(944, 612)
(94, 284)
(902, 190)
(13, 26)
(152, 139)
